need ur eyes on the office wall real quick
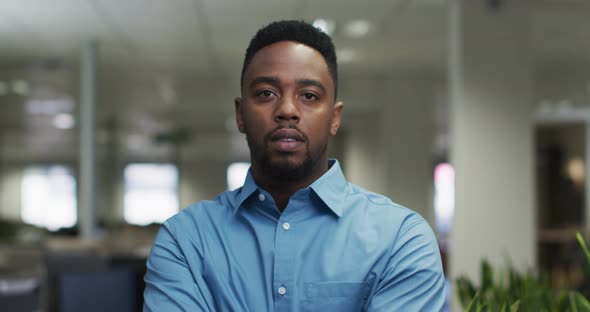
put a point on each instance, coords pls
(391, 150)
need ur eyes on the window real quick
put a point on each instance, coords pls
(48, 197)
(151, 193)
(236, 175)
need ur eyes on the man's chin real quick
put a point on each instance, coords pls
(289, 169)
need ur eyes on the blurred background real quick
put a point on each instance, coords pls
(114, 115)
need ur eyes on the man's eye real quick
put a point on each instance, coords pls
(309, 96)
(265, 93)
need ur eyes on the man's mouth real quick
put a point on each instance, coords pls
(287, 140)
(287, 135)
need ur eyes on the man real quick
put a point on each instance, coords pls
(297, 236)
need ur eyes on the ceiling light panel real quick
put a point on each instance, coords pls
(357, 28)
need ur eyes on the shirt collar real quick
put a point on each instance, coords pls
(246, 191)
(330, 188)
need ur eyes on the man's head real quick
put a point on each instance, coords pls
(296, 31)
(288, 108)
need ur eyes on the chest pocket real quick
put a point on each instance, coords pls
(336, 296)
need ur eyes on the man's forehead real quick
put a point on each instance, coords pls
(286, 55)
(287, 49)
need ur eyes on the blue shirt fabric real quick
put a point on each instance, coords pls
(335, 247)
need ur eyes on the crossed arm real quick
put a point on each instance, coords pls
(412, 280)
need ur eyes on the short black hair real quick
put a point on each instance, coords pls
(297, 31)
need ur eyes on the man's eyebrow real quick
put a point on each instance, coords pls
(276, 80)
(311, 82)
(264, 79)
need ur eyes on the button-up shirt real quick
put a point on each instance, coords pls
(335, 247)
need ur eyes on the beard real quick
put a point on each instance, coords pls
(284, 168)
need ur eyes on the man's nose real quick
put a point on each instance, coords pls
(287, 110)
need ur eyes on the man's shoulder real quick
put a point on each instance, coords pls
(204, 210)
(375, 200)
(381, 208)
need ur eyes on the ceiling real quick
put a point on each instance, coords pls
(170, 63)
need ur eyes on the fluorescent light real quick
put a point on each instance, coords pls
(357, 28)
(20, 87)
(49, 106)
(325, 25)
(346, 55)
(63, 121)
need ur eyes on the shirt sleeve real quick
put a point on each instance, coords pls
(413, 279)
(171, 285)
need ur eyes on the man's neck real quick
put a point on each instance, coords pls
(282, 189)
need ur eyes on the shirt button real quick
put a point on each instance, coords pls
(261, 197)
(286, 226)
(282, 290)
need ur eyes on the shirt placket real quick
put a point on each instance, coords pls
(284, 265)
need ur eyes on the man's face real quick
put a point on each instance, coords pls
(287, 110)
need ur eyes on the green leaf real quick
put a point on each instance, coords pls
(514, 307)
(504, 308)
(584, 247)
(516, 286)
(487, 277)
(514, 291)
(579, 302)
(474, 305)
(465, 290)
(572, 302)
(480, 307)
(560, 302)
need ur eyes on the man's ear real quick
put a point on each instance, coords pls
(238, 102)
(336, 118)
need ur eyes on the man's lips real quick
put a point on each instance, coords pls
(287, 140)
(287, 135)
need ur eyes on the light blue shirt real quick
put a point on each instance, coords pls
(335, 247)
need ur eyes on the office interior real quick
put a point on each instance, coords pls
(114, 115)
